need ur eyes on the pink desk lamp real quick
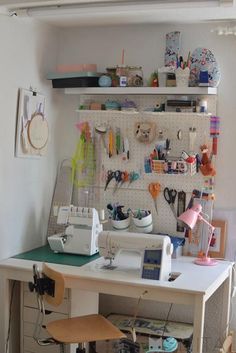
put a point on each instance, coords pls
(190, 218)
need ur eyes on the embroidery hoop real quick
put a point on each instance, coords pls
(38, 131)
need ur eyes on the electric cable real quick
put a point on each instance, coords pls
(167, 320)
(136, 314)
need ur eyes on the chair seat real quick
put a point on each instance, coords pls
(81, 329)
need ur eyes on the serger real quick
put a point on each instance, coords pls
(80, 237)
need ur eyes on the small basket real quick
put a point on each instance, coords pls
(144, 224)
(158, 166)
(175, 167)
(122, 225)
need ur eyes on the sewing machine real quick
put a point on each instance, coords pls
(155, 251)
(80, 236)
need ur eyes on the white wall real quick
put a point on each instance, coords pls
(28, 51)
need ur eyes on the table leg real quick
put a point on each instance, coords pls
(198, 324)
(226, 306)
(82, 303)
(4, 310)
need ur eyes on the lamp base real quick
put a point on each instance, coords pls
(205, 261)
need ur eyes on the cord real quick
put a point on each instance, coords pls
(167, 319)
(10, 316)
(136, 314)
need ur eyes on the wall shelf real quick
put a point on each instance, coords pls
(137, 113)
(143, 90)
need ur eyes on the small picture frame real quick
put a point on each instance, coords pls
(32, 130)
(217, 246)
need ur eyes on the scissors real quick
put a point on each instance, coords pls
(170, 196)
(118, 179)
(110, 176)
(124, 178)
(154, 189)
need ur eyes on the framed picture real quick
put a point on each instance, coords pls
(32, 130)
(217, 246)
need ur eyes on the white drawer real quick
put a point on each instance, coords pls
(30, 300)
(30, 315)
(28, 330)
(32, 346)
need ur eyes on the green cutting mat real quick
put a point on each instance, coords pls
(45, 254)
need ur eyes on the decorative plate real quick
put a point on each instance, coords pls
(203, 59)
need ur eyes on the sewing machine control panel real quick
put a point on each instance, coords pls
(152, 264)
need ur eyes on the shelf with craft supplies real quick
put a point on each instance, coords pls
(108, 112)
(143, 112)
(123, 140)
(143, 90)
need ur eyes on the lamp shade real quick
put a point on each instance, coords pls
(190, 217)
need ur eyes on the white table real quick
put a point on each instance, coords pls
(194, 286)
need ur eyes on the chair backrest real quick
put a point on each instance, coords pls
(59, 286)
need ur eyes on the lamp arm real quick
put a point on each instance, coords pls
(211, 232)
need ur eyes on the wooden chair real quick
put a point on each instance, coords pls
(49, 286)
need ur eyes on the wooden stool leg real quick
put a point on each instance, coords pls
(81, 348)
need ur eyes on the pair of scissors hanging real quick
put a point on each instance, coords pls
(170, 196)
(154, 189)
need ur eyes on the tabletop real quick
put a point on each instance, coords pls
(192, 278)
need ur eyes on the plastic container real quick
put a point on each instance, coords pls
(122, 225)
(143, 225)
(73, 79)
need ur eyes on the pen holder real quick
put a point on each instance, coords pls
(144, 224)
(122, 225)
(182, 77)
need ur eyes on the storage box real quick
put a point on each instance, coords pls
(176, 167)
(146, 328)
(74, 79)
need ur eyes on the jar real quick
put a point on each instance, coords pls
(122, 71)
(114, 78)
(135, 76)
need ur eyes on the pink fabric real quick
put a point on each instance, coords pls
(77, 68)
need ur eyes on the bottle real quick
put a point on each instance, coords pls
(122, 73)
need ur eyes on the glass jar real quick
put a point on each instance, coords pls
(114, 78)
(135, 76)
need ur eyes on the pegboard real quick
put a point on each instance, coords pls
(136, 194)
